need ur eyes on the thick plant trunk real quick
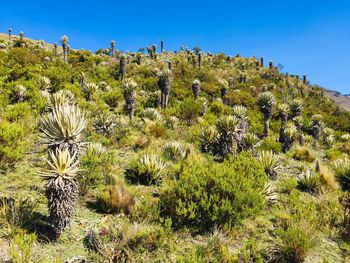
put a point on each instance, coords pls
(266, 125)
(64, 47)
(283, 126)
(166, 99)
(62, 198)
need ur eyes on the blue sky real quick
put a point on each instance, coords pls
(307, 37)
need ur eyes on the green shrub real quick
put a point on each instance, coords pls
(286, 185)
(189, 110)
(21, 248)
(208, 194)
(13, 144)
(96, 169)
(217, 108)
(271, 144)
(17, 112)
(304, 154)
(17, 213)
(296, 231)
(334, 154)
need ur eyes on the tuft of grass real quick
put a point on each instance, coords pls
(116, 199)
(304, 154)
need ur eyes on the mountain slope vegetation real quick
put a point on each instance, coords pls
(158, 156)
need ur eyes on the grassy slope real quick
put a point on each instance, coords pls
(24, 180)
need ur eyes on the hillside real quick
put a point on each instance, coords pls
(342, 100)
(161, 156)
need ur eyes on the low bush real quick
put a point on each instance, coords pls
(21, 248)
(17, 213)
(271, 144)
(97, 167)
(189, 110)
(12, 144)
(208, 194)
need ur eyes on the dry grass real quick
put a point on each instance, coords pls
(326, 177)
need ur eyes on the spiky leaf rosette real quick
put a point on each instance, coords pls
(104, 124)
(341, 170)
(208, 137)
(270, 193)
(62, 188)
(283, 110)
(308, 181)
(250, 141)
(20, 93)
(60, 98)
(172, 122)
(345, 137)
(151, 114)
(89, 88)
(290, 131)
(328, 131)
(64, 40)
(228, 125)
(296, 107)
(298, 122)
(266, 102)
(43, 83)
(240, 112)
(95, 149)
(270, 162)
(149, 169)
(104, 86)
(174, 151)
(316, 125)
(229, 135)
(63, 127)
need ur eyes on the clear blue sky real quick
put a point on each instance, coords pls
(307, 37)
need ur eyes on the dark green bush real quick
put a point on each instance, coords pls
(189, 110)
(96, 170)
(208, 194)
(271, 144)
(12, 144)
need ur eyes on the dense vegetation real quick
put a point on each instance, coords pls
(160, 156)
